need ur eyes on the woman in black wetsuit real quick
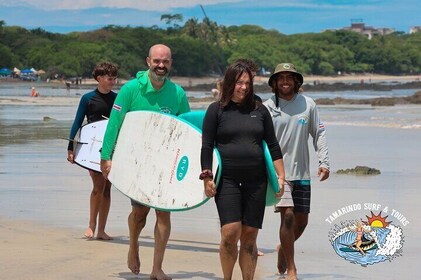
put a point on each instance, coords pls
(237, 125)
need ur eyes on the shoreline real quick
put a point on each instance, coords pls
(202, 103)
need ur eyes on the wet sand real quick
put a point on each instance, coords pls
(44, 213)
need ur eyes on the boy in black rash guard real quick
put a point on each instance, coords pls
(96, 105)
(237, 125)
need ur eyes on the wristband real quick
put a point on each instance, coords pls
(206, 174)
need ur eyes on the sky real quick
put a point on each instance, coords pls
(286, 16)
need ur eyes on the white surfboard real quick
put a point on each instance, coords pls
(87, 152)
(156, 161)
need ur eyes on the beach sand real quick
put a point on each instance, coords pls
(44, 212)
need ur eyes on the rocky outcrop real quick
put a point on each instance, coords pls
(380, 101)
(359, 170)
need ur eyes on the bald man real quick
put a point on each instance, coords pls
(151, 90)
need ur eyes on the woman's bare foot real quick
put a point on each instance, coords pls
(260, 253)
(282, 263)
(159, 275)
(89, 233)
(103, 236)
(133, 261)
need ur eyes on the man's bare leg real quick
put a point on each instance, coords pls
(248, 252)
(162, 234)
(104, 209)
(300, 223)
(136, 221)
(287, 237)
(228, 250)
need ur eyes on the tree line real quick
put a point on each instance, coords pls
(202, 48)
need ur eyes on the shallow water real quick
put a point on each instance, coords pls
(20, 89)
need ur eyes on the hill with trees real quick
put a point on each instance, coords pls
(206, 48)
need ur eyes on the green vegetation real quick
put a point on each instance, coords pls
(204, 48)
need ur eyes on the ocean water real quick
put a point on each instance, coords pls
(405, 117)
(399, 116)
(25, 90)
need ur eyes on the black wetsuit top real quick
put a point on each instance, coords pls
(238, 133)
(95, 106)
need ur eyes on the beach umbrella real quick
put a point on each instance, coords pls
(5, 71)
(26, 71)
(16, 71)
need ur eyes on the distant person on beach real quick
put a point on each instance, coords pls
(67, 86)
(216, 92)
(34, 92)
(150, 90)
(236, 125)
(295, 118)
(95, 106)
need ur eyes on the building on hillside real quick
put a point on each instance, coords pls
(414, 29)
(357, 25)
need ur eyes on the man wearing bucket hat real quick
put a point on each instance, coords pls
(295, 118)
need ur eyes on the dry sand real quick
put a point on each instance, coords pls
(34, 251)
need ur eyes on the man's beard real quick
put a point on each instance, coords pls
(292, 91)
(159, 78)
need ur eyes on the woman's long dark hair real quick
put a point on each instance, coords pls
(232, 74)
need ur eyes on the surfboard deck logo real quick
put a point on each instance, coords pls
(156, 161)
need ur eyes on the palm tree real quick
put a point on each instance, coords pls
(192, 28)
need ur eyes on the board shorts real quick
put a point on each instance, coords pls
(241, 197)
(297, 195)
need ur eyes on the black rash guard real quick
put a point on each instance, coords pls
(94, 106)
(238, 133)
